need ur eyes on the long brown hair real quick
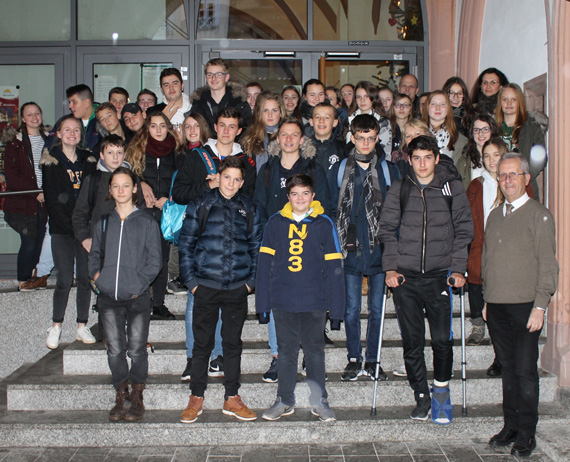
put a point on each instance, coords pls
(136, 151)
(204, 128)
(22, 128)
(522, 115)
(252, 141)
(448, 123)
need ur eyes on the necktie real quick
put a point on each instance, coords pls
(509, 209)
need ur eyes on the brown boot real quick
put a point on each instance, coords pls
(193, 410)
(136, 411)
(118, 412)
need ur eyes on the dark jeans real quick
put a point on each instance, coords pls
(126, 325)
(352, 316)
(433, 293)
(517, 351)
(161, 281)
(29, 253)
(67, 250)
(207, 304)
(294, 330)
(476, 302)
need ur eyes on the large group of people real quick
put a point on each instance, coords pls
(301, 196)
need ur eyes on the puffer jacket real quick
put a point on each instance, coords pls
(223, 255)
(330, 151)
(268, 192)
(431, 239)
(132, 255)
(235, 97)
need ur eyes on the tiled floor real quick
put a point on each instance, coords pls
(444, 451)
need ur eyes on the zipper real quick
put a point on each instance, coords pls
(424, 231)
(118, 262)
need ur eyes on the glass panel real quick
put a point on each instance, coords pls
(132, 77)
(272, 74)
(381, 73)
(131, 20)
(25, 20)
(368, 20)
(253, 19)
(9, 239)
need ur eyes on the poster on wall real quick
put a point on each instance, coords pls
(9, 105)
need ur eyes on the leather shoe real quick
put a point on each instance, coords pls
(495, 369)
(524, 445)
(505, 437)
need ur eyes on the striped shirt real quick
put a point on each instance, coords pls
(37, 143)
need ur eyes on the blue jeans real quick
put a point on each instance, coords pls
(135, 315)
(352, 316)
(272, 336)
(217, 351)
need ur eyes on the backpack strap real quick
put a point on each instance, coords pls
(386, 171)
(341, 169)
(104, 225)
(208, 162)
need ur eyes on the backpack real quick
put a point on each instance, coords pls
(172, 213)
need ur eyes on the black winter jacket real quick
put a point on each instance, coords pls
(132, 255)
(431, 237)
(223, 255)
(190, 181)
(330, 151)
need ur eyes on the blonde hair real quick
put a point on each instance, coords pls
(522, 115)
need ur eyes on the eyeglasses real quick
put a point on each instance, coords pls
(486, 83)
(484, 130)
(219, 75)
(402, 105)
(453, 94)
(512, 176)
(361, 139)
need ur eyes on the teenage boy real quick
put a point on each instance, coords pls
(299, 279)
(146, 99)
(107, 117)
(219, 93)
(227, 127)
(324, 134)
(118, 97)
(425, 227)
(176, 102)
(289, 154)
(359, 185)
(219, 245)
(133, 117)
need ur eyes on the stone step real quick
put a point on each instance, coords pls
(162, 428)
(170, 358)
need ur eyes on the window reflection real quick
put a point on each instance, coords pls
(25, 20)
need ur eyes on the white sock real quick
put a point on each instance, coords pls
(440, 384)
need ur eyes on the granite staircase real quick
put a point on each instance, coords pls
(64, 398)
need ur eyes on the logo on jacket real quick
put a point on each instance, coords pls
(242, 212)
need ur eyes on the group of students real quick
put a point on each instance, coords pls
(297, 196)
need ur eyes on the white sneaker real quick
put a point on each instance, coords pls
(84, 335)
(54, 334)
(401, 371)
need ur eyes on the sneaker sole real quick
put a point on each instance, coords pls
(226, 412)
(441, 421)
(52, 347)
(86, 341)
(316, 414)
(422, 418)
(267, 380)
(353, 379)
(286, 412)
(399, 374)
(185, 378)
(193, 420)
(215, 374)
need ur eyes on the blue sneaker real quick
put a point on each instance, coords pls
(441, 408)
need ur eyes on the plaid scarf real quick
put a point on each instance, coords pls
(372, 200)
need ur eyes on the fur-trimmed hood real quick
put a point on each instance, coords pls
(237, 91)
(9, 134)
(307, 150)
(49, 159)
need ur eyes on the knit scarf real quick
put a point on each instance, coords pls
(372, 200)
(159, 149)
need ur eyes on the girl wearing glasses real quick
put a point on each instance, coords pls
(463, 111)
(401, 114)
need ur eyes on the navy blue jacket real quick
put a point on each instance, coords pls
(223, 255)
(300, 265)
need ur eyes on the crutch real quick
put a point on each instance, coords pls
(380, 334)
(463, 356)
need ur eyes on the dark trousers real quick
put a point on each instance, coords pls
(66, 251)
(126, 325)
(29, 253)
(476, 302)
(207, 304)
(294, 330)
(517, 351)
(161, 281)
(433, 293)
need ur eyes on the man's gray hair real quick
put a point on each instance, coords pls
(515, 155)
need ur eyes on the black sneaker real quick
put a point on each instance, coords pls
(352, 370)
(175, 287)
(271, 374)
(304, 370)
(216, 368)
(161, 313)
(423, 406)
(186, 374)
(370, 371)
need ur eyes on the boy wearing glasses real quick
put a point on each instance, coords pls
(359, 185)
(425, 228)
(219, 93)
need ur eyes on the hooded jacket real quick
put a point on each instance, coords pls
(269, 197)
(132, 255)
(58, 189)
(427, 236)
(300, 265)
(222, 255)
(235, 96)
